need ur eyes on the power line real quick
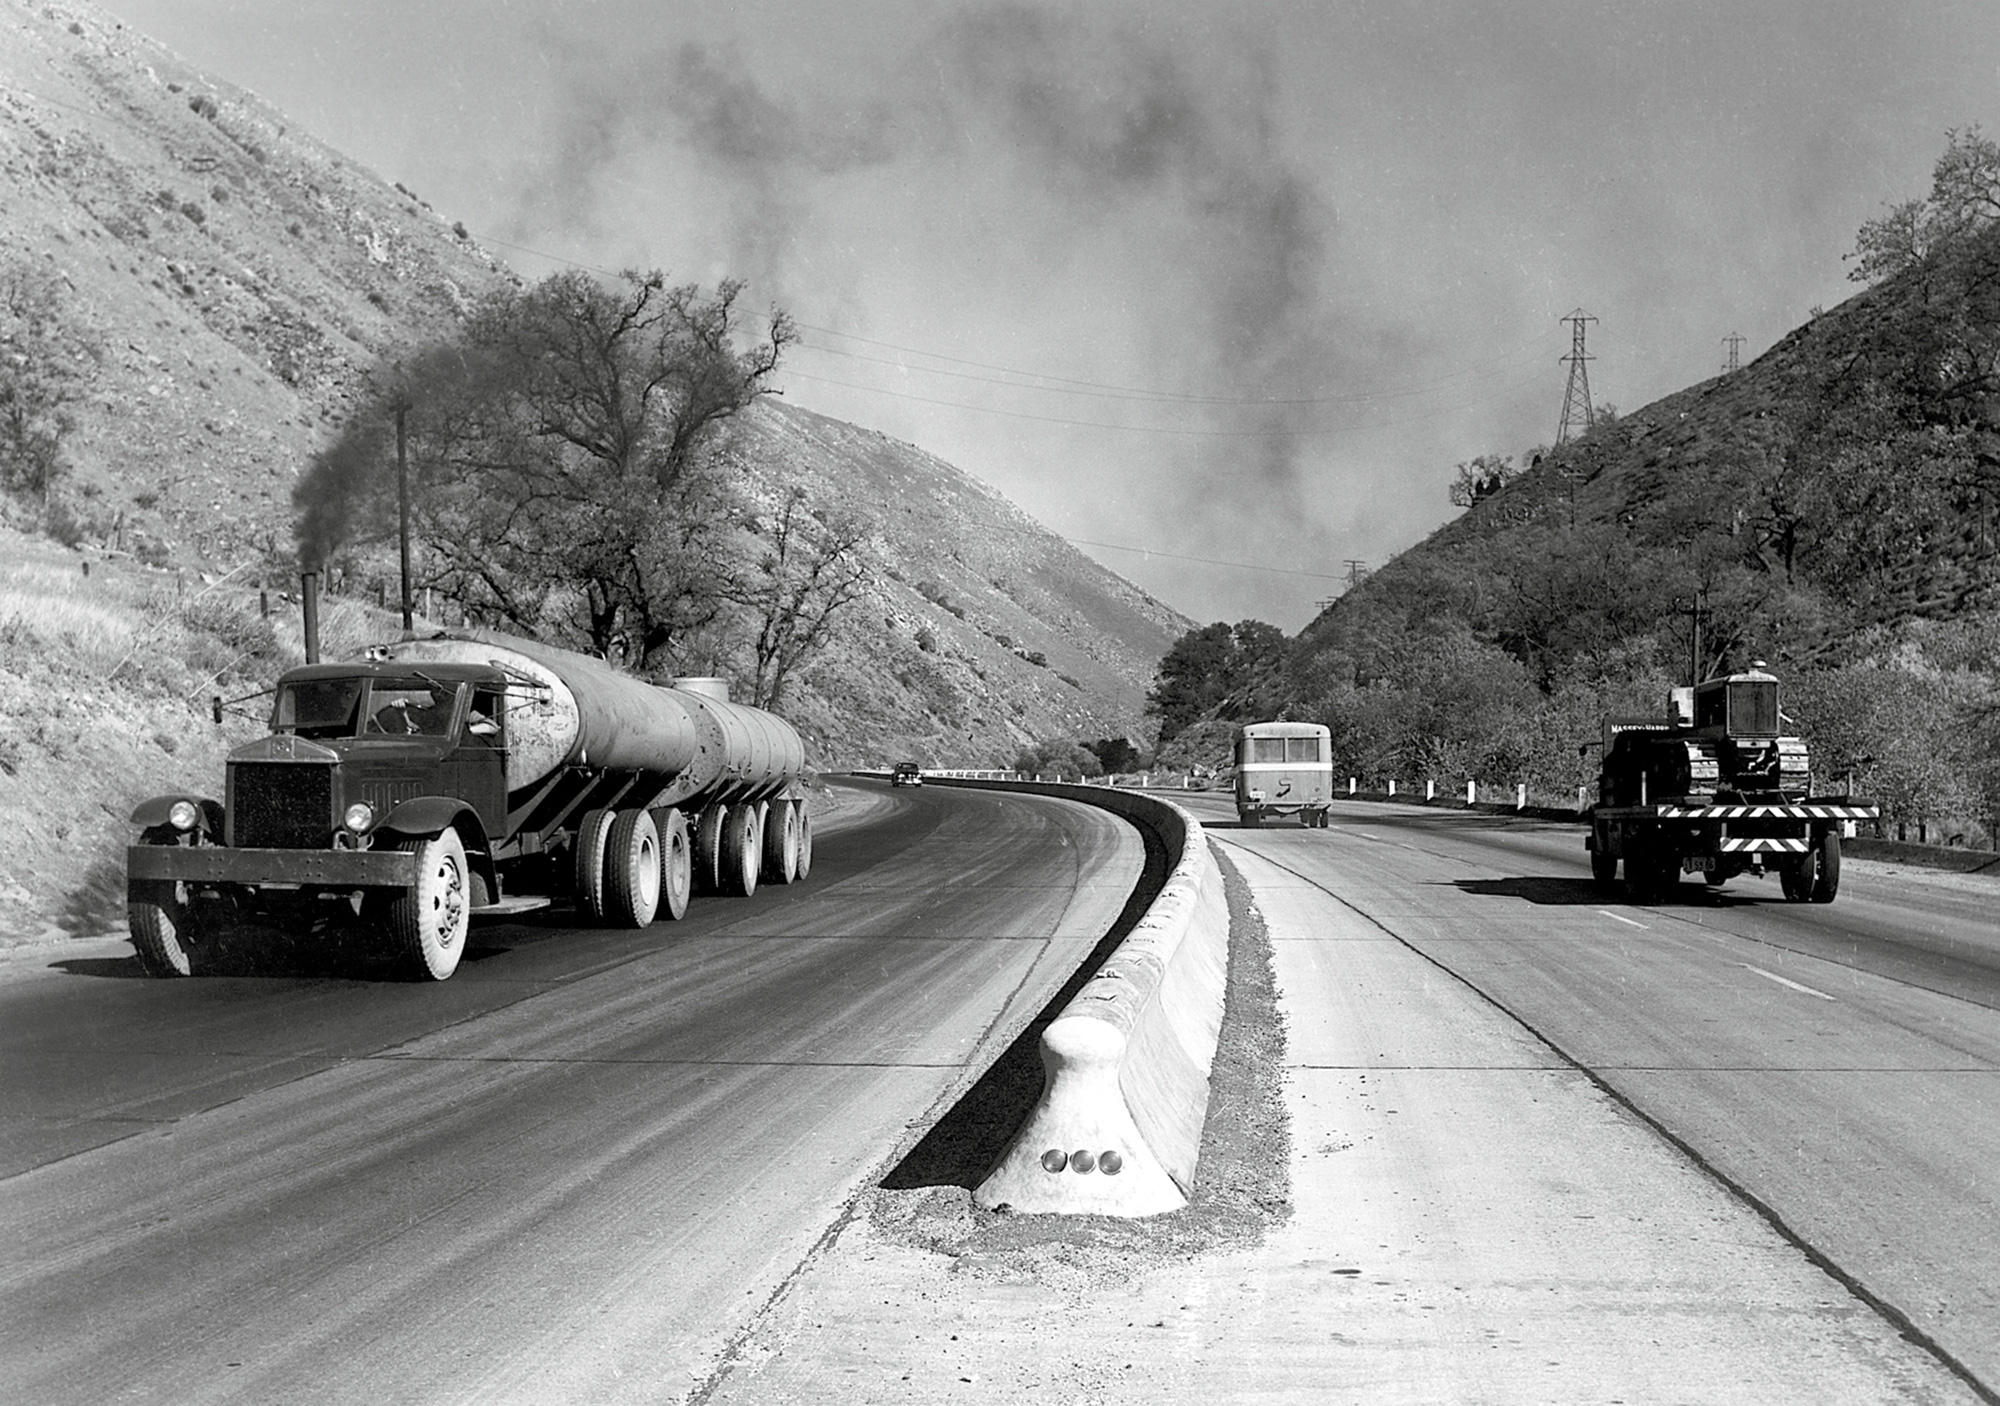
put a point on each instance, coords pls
(1280, 432)
(1067, 385)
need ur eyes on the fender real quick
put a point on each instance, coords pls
(432, 815)
(151, 814)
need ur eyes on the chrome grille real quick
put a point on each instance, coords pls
(280, 805)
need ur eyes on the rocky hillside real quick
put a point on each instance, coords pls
(223, 278)
(221, 283)
(980, 630)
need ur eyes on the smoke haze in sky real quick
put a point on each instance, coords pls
(1236, 282)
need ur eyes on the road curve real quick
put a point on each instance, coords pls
(568, 1174)
(1838, 1068)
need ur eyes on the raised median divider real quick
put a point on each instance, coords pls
(1117, 1129)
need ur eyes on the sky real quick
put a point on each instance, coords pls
(1220, 290)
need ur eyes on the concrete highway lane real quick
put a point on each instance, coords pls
(568, 1174)
(1838, 1068)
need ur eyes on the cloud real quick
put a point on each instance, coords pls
(1125, 166)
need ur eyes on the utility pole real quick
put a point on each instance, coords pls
(1356, 570)
(403, 512)
(1733, 340)
(1576, 397)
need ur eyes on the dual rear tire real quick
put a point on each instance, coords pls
(1815, 876)
(634, 865)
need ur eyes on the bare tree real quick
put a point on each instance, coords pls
(809, 571)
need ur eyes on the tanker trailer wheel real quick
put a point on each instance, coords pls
(676, 862)
(161, 915)
(805, 864)
(706, 846)
(1826, 881)
(429, 920)
(742, 849)
(632, 870)
(781, 843)
(592, 836)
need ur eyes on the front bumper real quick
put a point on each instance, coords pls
(220, 864)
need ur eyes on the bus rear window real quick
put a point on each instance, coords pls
(1302, 749)
(1265, 749)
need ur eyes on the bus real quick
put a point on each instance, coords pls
(1284, 769)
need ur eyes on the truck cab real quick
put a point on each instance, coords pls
(351, 743)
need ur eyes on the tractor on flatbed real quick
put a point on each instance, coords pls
(1716, 788)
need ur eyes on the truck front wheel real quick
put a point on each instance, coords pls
(429, 920)
(161, 917)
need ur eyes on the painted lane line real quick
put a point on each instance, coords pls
(1783, 981)
(1627, 921)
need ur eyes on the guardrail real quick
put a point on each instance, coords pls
(1117, 1129)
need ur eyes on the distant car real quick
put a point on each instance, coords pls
(907, 774)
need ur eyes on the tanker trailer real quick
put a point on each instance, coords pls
(471, 774)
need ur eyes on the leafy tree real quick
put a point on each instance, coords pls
(1965, 197)
(562, 449)
(1479, 479)
(1114, 754)
(1058, 758)
(1216, 666)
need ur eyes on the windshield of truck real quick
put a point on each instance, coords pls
(409, 708)
(318, 708)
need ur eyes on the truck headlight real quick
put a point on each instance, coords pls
(359, 817)
(184, 815)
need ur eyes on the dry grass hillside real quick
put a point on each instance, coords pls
(227, 276)
(217, 284)
(980, 630)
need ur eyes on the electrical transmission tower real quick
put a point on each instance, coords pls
(1733, 341)
(1576, 399)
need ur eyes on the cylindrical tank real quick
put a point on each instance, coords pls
(577, 711)
(744, 753)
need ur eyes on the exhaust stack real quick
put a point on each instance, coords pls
(309, 603)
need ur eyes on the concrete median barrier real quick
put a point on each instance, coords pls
(1125, 1088)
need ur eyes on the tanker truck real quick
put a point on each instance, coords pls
(467, 774)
